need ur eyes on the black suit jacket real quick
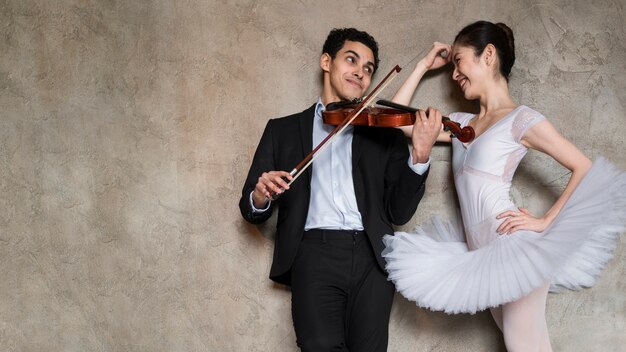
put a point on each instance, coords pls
(387, 190)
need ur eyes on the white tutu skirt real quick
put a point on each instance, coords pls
(435, 268)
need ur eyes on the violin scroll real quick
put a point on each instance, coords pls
(463, 134)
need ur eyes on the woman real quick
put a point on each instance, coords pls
(503, 257)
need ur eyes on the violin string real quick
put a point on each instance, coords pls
(411, 60)
(443, 54)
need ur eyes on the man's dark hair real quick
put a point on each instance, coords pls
(338, 36)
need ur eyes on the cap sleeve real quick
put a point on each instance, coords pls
(525, 120)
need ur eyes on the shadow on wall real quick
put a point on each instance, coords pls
(462, 332)
(257, 232)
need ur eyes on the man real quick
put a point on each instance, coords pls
(331, 220)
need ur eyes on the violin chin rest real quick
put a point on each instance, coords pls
(342, 104)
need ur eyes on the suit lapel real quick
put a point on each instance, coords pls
(357, 177)
(306, 135)
(357, 141)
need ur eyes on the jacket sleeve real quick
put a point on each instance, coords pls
(263, 161)
(403, 187)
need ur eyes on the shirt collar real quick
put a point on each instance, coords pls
(319, 108)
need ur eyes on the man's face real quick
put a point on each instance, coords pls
(349, 73)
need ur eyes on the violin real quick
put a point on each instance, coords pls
(393, 115)
(336, 113)
(404, 116)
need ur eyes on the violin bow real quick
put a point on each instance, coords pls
(365, 102)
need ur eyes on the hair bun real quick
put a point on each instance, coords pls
(509, 34)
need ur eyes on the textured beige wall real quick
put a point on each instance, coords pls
(127, 127)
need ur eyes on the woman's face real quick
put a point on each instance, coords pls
(470, 71)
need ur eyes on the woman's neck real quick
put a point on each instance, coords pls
(496, 99)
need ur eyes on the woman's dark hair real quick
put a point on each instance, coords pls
(338, 36)
(478, 34)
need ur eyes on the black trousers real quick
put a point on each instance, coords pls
(341, 299)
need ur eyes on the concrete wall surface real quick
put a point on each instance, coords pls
(127, 129)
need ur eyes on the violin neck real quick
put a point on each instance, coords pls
(342, 104)
(391, 104)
